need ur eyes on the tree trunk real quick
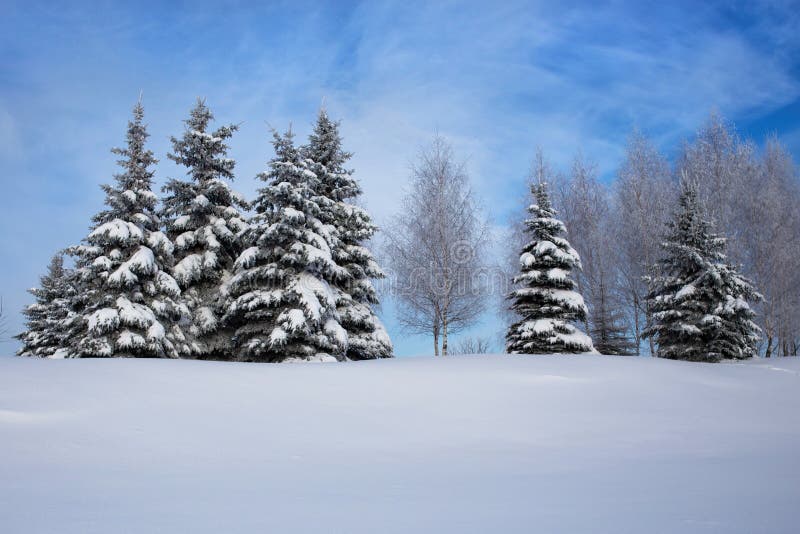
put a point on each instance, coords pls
(436, 341)
(444, 334)
(637, 331)
(586, 319)
(768, 352)
(647, 323)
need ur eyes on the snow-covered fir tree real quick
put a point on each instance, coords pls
(546, 299)
(351, 229)
(46, 319)
(203, 220)
(280, 299)
(127, 300)
(699, 302)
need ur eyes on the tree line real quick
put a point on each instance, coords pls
(601, 266)
(699, 260)
(747, 196)
(191, 275)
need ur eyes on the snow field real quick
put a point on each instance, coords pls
(457, 444)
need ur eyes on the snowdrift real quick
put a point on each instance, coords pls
(461, 444)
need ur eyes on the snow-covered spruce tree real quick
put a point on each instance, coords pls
(546, 299)
(699, 302)
(45, 319)
(351, 228)
(203, 220)
(127, 301)
(280, 301)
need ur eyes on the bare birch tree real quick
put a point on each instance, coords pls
(643, 196)
(585, 207)
(582, 205)
(771, 241)
(435, 248)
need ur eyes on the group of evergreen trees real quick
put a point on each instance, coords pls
(699, 302)
(198, 278)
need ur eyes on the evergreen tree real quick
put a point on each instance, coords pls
(609, 333)
(204, 220)
(546, 299)
(699, 303)
(46, 318)
(127, 300)
(280, 299)
(352, 227)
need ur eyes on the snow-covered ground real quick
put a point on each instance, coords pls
(464, 444)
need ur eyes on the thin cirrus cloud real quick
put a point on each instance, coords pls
(495, 80)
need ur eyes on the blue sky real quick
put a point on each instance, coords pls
(495, 80)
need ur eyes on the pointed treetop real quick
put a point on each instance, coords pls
(138, 111)
(325, 143)
(542, 197)
(200, 116)
(284, 145)
(690, 205)
(202, 152)
(137, 159)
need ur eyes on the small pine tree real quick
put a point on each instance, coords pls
(699, 303)
(546, 300)
(127, 300)
(280, 300)
(46, 330)
(609, 334)
(204, 220)
(352, 228)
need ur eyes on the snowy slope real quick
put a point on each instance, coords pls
(465, 444)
